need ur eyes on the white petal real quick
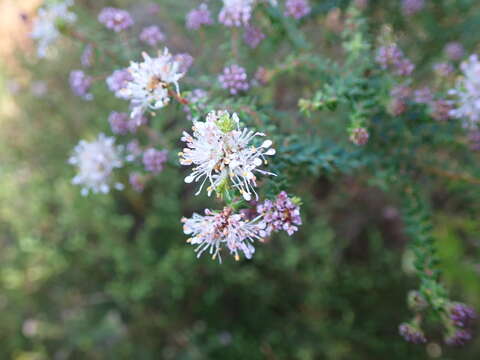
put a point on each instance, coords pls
(267, 144)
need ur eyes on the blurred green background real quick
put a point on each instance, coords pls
(110, 277)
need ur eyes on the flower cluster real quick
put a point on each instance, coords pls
(236, 13)
(416, 301)
(234, 79)
(134, 150)
(461, 317)
(45, 27)
(217, 230)
(412, 333)
(411, 7)
(122, 124)
(118, 81)
(80, 84)
(253, 36)
(359, 136)
(115, 19)
(151, 81)
(423, 95)
(222, 153)
(154, 160)
(283, 213)
(439, 109)
(152, 35)
(454, 51)
(392, 58)
(399, 96)
(119, 122)
(87, 56)
(184, 60)
(137, 182)
(95, 162)
(297, 8)
(467, 93)
(457, 319)
(444, 69)
(458, 337)
(197, 96)
(199, 17)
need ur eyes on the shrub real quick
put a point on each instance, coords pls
(320, 155)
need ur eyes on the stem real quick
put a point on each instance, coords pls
(178, 97)
(235, 43)
(125, 40)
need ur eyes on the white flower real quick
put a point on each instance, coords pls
(45, 29)
(220, 152)
(236, 12)
(151, 80)
(467, 93)
(96, 161)
(214, 230)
